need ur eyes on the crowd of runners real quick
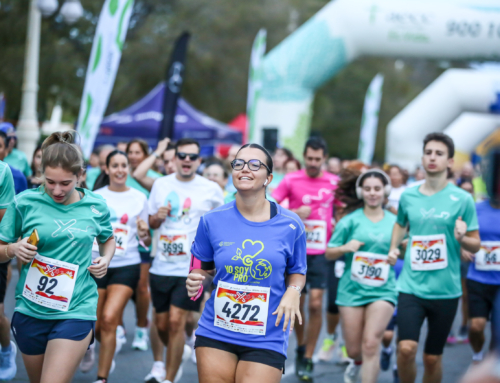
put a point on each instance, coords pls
(225, 258)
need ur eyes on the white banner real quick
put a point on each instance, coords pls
(369, 122)
(101, 71)
(255, 79)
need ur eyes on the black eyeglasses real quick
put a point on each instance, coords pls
(253, 165)
(192, 156)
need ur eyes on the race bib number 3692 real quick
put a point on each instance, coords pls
(488, 256)
(428, 252)
(241, 308)
(50, 283)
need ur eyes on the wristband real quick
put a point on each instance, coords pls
(295, 288)
(7, 252)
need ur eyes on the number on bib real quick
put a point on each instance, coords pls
(50, 283)
(370, 269)
(173, 247)
(315, 234)
(120, 232)
(428, 252)
(241, 308)
(488, 256)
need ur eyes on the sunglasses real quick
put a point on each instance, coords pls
(253, 165)
(192, 156)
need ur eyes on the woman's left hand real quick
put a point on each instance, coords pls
(289, 307)
(142, 228)
(99, 267)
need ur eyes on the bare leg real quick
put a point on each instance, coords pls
(176, 340)
(315, 320)
(433, 368)
(62, 358)
(465, 303)
(117, 297)
(190, 323)
(407, 368)
(215, 366)
(332, 321)
(156, 344)
(4, 328)
(353, 319)
(33, 365)
(387, 339)
(142, 297)
(476, 333)
(377, 317)
(251, 372)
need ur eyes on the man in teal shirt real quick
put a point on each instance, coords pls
(441, 219)
(15, 157)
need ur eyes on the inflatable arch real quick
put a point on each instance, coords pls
(346, 29)
(454, 92)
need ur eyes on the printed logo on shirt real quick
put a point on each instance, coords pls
(377, 238)
(324, 195)
(430, 214)
(256, 268)
(176, 213)
(95, 211)
(69, 229)
(292, 226)
(453, 198)
(221, 244)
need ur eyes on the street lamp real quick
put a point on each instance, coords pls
(28, 132)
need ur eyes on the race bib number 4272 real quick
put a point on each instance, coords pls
(428, 252)
(241, 308)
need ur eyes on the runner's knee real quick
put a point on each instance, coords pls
(407, 350)
(109, 323)
(431, 362)
(176, 324)
(477, 325)
(353, 351)
(315, 306)
(370, 346)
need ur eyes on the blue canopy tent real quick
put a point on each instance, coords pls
(143, 120)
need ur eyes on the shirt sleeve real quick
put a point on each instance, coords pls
(340, 234)
(144, 215)
(297, 262)
(402, 218)
(470, 215)
(152, 199)
(281, 192)
(6, 188)
(11, 225)
(218, 198)
(106, 228)
(202, 248)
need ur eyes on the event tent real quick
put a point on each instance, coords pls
(143, 120)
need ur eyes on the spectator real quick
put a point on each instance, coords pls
(122, 146)
(216, 172)
(292, 165)
(281, 156)
(15, 157)
(398, 183)
(94, 159)
(20, 183)
(334, 165)
(94, 173)
(36, 169)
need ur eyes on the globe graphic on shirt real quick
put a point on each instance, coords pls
(262, 269)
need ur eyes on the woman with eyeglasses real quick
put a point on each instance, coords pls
(258, 250)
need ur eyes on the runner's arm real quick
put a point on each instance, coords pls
(140, 173)
(471, 241)
(398, 234)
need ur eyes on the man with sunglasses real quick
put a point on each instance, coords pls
(310, 192)
(176, 203)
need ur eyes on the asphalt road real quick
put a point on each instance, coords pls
(133, 366)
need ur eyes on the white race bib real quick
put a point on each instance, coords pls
(370, 269)
(315, 234)
(241, 308)
(173, 246)
(339, 269)
(428, 252)
(120, 232)
(488, 256)
(50, 283)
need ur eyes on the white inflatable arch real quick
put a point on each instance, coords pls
(440, 107)
(346, 29)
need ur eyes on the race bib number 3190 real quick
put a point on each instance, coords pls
(428, 252)
(370, 269)
(241, 308)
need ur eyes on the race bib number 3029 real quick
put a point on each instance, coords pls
(370, 269)
(315, 234)
(241, 308)
(488, 256)
(50, 283)
(428, 252)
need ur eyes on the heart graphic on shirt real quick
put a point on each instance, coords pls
(261, 268)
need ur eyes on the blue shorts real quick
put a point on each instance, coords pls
(145, 256)
(32, 334)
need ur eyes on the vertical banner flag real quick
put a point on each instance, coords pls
(101, 71)
(255, 80)
(369, 122)
(173, 85)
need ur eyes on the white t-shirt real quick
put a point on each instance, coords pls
(395, 196)
(189, 201)
(124, 208)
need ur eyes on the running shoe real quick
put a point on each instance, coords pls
(395, 376)
(451, 339)
(307, 375)
(88, 359)
(8, 367)
(101, 381)
(112, 368)
(141, 339)
(385, 359)
(343, 357)
(121, 340)
(300, 363)
(351, 374)
(190, 342)
(157, 374)
(327, 350)
(463, 335)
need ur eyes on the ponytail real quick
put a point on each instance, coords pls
(60, 150)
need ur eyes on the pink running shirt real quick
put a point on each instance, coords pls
(318, 193)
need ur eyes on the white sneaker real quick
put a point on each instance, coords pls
(8, 367)
(141, 339)
(351, 373)
(177, 376)
(121, 340)
(100, 381)
(157, 374)
(327, 350)
(88, 359)
(112, 368)
(186, 354)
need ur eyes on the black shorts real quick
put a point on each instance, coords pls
(333, 285)
(125, 275)
(32, 334)
(464, 269)
(4, 269)
(440, 313)
(481, 298)
(317, 271)
(247, 354)
(166, 291)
